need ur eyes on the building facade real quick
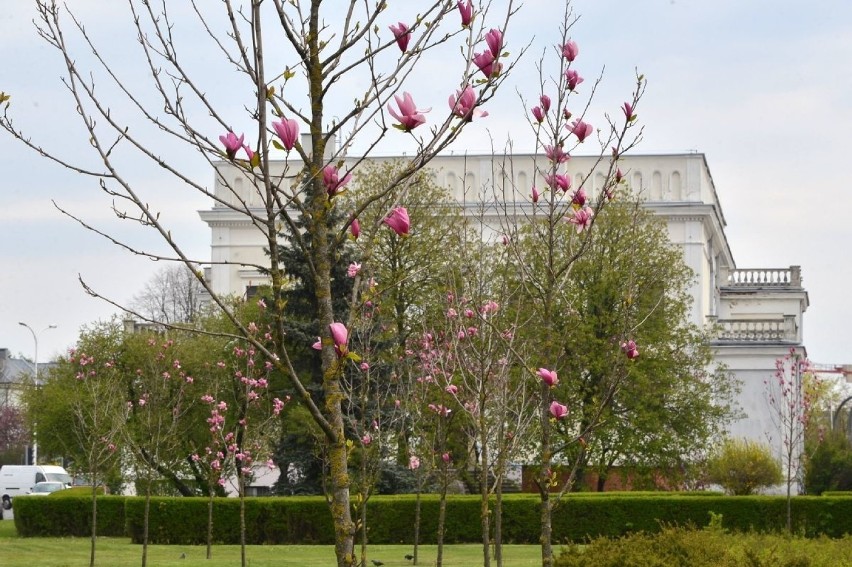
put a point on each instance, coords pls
(758, 312)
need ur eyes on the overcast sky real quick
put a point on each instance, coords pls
(762, 88)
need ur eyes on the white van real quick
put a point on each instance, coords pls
(20, 479)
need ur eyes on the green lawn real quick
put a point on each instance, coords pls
(111, 552)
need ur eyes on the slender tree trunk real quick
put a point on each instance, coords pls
(546, 508)
(498, 521)
(242, 487)
(484, 509)
(94, 520)
(442, 514)
(145, 519)
(417, 521)
(210, 492)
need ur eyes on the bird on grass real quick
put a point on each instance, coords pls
(377, 563)
(409, 557)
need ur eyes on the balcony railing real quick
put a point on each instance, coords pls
(758, 330)
(766, 277)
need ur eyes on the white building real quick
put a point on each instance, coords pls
(759, 311)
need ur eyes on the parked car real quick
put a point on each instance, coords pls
(46, 488)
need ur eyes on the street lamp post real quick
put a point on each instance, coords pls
(35, 374)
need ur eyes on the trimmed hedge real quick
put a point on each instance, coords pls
(305, 520)
(47, 516)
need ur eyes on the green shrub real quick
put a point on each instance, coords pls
(39, 516)
(678, 546)
(743, 467)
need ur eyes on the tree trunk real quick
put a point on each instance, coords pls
(242, 488)
(210, 521)
(484, 509)
(546, 509)
(417, 522)
(145, 519)
(94, 520)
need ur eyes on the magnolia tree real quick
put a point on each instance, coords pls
(790, 404)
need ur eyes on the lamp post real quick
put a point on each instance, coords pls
(35, 374)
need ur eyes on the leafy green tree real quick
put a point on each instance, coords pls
(671, 401)
(743, 467)
(829, 465)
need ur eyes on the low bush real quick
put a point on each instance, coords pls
(678, 546)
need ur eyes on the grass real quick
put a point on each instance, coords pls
(74, 552)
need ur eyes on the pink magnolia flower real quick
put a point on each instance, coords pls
(446, 457)
(578, 199)
(558, 181)
(331, 180)
(232, 143)
(366, 439)
(466, 12)
(538, 114)
(408, 115)
(573, 78)
(494, 39)
(288, 130)
(545, 102)
(582, 218)
(463, 105)
(485, 62)
(249, 152)
(355, 228)
(630, 349)
(580, 129)
(452, 389)
(413, 462)
(535, 194)
(364, 366)
(340, 337)
(549, 377)
(570, 50)
(353, 269)
(505, 239)
(557, 410)
(618, 175)
(556, 154)
(398, 221)
(628, 111)
(401, 34)
(318, 344)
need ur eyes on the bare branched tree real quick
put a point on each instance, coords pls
(172, 295)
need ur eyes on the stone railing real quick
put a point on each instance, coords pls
(758, 330)
(766, 277)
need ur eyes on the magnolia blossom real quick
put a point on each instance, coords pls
(580, 129)
(556, 154)
(353, 269)
(463, 105)
(355, 228)
(570, 50)
(628, 111)
(331, 180)
(485, 62)
(557, 410)
(452, 389)
(545, 102)
(413, 462)
(466, 12)
(398, 221)
(318, 344)
(630, 349)
(549, 377)
(288, 131)
(538, 114)
(366, 439)
(400, 32)
(446, 457)
(582, 218)
(494, 40)
(232, 143)
(558, 181)
(573, 78)
(340, 337)
(408, 115)
(535, 194)
(578, 198)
